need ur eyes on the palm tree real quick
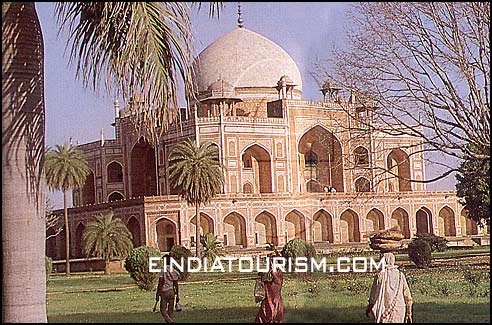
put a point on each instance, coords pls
(211, 247)
(140, 46)
(198, 171)
(66, 168)
(107, 238)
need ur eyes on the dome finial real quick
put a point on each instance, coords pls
(239, 18)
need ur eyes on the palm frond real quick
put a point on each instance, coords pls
(107, 237)
(65, 168)
(140, 49)
(197, 170)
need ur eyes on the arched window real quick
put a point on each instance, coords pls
(247, 188)
(115, 196)
(88, 190)
(311, 159)
(362, 184)
(361, 157)
(115, 172)
(247, 162)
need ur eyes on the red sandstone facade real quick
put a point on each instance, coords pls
(293, 168)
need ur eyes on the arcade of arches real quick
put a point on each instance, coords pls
(324, 227)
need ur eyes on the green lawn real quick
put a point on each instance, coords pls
(447, 292)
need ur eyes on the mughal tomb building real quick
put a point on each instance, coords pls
(293, 168)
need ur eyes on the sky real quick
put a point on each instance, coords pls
(306, 30)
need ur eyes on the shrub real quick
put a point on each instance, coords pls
(419, 252)
(49, 266)
(436, 243)
(294, 248)
(298, 248)
(178, 252)
(137, 264)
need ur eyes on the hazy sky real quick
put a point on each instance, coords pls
(306, 30)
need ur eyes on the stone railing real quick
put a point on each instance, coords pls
(243, 119)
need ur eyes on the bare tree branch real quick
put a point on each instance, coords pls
(52, 221)
(420, 70)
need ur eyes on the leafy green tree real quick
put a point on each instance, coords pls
(144, 47)
(197, 170)
(66, 168)
(473, 189)
(107, 237)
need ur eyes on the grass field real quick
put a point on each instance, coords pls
(455, 289)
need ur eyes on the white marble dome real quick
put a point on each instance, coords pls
(244, 58)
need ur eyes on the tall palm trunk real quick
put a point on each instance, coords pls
(197, 232)
(23, 224)
(67, 233)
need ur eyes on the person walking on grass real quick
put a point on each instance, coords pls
(167, 290)
(390, 300)
(272, 306)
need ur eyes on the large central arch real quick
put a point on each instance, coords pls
(266, 228)
(349, 226)
(235, 230)
(321, 159)
(323, 226)
(295, 225)
(143, 174)
(258, 160)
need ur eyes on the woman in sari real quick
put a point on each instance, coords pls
(390, 300)
(272, 307)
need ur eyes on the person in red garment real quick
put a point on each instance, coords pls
(272, 307)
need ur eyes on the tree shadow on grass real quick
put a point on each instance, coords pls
(202, 315)
(422, 313)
